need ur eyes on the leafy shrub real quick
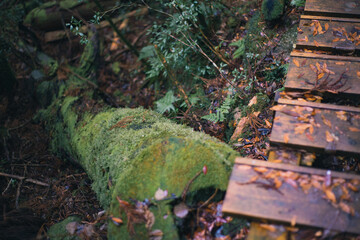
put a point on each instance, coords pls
(298, 3)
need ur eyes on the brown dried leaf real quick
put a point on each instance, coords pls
(277, 107)
(326, 26)
(330, 195)
(286, 138)
(341, 115)
(352, 187)
(326, 122)
(354, 129)
(260, 169)
(329, 137)
(358, 74)
(291, 182)
(340, 63)
(346, 208)
(306, 39)
(316, 43)
(277, 182)
(320, 75)
(296, 62)
(336, 39)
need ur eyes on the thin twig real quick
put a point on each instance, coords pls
(24, 179)
(186, 189)
(204, 204)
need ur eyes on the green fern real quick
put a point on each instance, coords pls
(241, 48)
(221, 112)
(166, 103)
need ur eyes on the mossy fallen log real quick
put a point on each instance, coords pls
(131, 153)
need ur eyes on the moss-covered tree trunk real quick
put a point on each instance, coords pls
(131, 153)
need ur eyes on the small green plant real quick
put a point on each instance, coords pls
(298, 3)
(222, 111)
(241, 48)
(166, 104)
(75, 26)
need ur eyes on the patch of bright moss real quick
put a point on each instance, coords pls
(58, 231)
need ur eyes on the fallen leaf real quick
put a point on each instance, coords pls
(316, 43)
(156, 234)
(306, 39)
(181, 210)
(326, 122)
(326, 26)
(253, 101)
(296, 62)
(160, 194)
(340, 63)
(346, 208)
(277, 182)
(268, 227)
(330, 195)
(354, 129)
(303, 63)
(293, 221)
(352, 187)
(277, 107)
(286, 138)
(329, 137)
(117, 221)
(300, 128)
(291, 182)
(320, 75)
(260, 169)
(358, 74)
(341, 115)
(268, 124)
(336, 39)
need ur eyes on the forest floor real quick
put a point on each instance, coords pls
(62, 189)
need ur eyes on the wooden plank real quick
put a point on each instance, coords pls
(334, 8)
(339, 36)
(290, 203)
(305, 72)
(331, 19)
(319, 105)
(316, 129)
(324, 56)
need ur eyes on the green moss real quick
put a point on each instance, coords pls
(272, 10)
(58, 231)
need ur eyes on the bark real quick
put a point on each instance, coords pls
(131, 153)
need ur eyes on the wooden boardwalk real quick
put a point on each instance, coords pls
(324, 66)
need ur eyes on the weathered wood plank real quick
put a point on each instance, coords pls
(289, 202)
(317, 128)
(329, 35)
(333, 8)
(311, 73)
(297, 53)
(319, 105)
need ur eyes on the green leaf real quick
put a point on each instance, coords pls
(166, 103)
(241, 48)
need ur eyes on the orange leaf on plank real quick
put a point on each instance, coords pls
(341, 115)
(277, 107)
(296, 62)
(346, 208)
(330, 195)
(358, 74)
(306, 39)
(336, 39)
(329, 137)
(326, 26)
(354, 129)
(286, 138)
(326, 122)
(340, 63)
(316, 43)
(320, 75)
(260, 169)
(300, 75)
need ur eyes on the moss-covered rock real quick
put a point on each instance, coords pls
(272, 10)
(58, 231)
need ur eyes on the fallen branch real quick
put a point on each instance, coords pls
(24, 179)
